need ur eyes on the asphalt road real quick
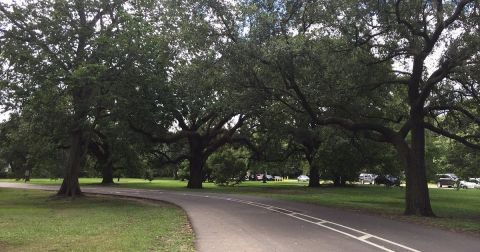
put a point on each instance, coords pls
(225, 222)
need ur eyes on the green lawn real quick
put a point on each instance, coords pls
(36, 221)
(458, 210)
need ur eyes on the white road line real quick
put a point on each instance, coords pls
(364, 237)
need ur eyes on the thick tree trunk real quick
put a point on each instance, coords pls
(102, 153)
(107, 165)
(313, 174)
(107, 173)
(70, 185)
(417, 200)
(196, 173)
(196, 162)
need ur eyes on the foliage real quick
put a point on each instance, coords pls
(455, 158)
(143, 85)
(229, 166)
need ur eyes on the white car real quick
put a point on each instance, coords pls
(476, 181)
(367, 178)
(468, 185)
(303, 178)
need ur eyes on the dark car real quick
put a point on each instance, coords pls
(447, 179)
(387, 180)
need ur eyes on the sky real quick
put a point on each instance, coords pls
(3, 116)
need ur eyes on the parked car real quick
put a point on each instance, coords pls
(447, 179)
(387, 180)
(474, 180)
(366, 178)
(303, 178)
(468, 185)
(260, 177)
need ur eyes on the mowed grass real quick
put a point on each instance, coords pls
(35, 221)
(455, 209)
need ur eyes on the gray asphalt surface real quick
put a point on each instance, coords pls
(225, 222)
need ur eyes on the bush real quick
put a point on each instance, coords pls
(228, 167)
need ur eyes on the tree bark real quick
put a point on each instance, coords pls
(107, 165)
(417, 200)
(196, 162)
(196, 172)
(107, 173)
(313, 173)
(70, 185)
(102, 153)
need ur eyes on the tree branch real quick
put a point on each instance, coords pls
(450, 135)
(159, 139)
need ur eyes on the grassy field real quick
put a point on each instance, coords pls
(456, 210)
(36, 221)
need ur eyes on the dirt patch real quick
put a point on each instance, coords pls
(4, 246)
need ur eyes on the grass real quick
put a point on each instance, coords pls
(457, 210)
(36, 221)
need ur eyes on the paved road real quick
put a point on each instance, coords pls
(224, 222)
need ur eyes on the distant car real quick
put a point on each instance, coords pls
(447, 179)
(474, 180)
(468, 185)
(303, 178)
(260, 177)
(387, 180)
(366, 178)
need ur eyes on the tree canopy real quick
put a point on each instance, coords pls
(342, 86)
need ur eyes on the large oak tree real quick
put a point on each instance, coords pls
(386, 69)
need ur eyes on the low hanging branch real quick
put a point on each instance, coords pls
(453, 136)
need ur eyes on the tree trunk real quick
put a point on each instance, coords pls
(313, 174)
(196, 162)
(70, 185)
(417, 200)
(107, 172)
(196, 172)
(102, 153)
(107, 164)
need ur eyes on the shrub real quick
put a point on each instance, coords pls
(228, 167)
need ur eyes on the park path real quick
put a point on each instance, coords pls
(226, 222)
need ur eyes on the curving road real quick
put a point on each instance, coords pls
(225, 222)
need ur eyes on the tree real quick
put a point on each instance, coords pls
(340, 70)
(204, 119)
(24, 146)
(198, 102)
(59, 45)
